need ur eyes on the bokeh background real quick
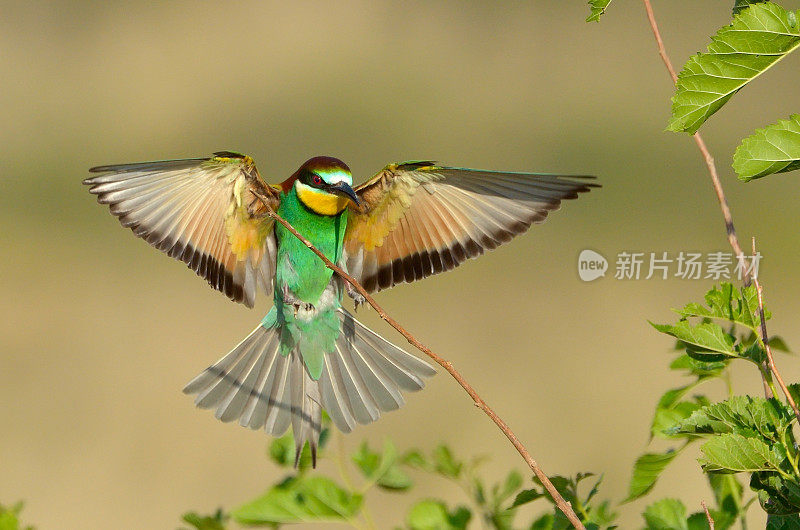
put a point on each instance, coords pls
(99, 332)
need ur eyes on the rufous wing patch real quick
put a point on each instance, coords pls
(246, 235)
(202, 211)
(371, 228)
(419, 219)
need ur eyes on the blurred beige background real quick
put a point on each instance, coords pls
(99, 332)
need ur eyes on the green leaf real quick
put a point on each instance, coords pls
(460, 517)
(601, 516)
(594, 516)
(526, 496)
(773, 149)
(205, 522)
(755, 353)
(759, 37)
(734, 453)
(666, 420)
(445, 464)
(666, 514)
(298, 499)
(698, 521)
(428, 514)
(598, 8)
(415, 459)
(705, 341)
(395, 479)
(726, 302)
(783, 522)
(433, 515)
(777, 495)
(382, 468)
(281, 450)
(646, 471)
(367, 460)
(672, 396)
(745, 415)
(699, 368)
(739, 5)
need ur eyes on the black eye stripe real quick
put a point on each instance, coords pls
(312, 179)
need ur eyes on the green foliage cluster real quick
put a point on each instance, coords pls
(305, 496)
(742, 434)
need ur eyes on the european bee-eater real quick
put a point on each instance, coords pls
(409, 221)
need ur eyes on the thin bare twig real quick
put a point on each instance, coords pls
(733, 240)
(767, 348)
(562, 504)
(709, 160)
(708, 515)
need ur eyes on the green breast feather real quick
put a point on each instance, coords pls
(306, 276)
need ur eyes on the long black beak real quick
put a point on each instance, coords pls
(344, 189)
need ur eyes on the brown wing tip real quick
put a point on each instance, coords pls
(579, 182)
(590, 184)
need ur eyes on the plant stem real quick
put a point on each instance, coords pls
(712, 171)
(562, 504)
(708, 515)
(709, 160)
(768, 349)
(791, 457)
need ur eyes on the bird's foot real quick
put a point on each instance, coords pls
(305, 306)
(352, 292)
(296, 303)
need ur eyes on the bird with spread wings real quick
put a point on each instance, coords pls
(410, 221)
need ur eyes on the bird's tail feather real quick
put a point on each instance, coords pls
(263, 388)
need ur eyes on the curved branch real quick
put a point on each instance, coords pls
(562, 504)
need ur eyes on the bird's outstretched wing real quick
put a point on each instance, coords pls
(419, 219)
(202, 211)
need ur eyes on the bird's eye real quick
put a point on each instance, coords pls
(317, 180)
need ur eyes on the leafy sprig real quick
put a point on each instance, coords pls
(759, 37)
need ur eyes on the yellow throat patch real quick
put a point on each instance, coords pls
(319, 201)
